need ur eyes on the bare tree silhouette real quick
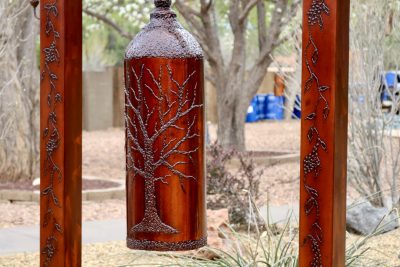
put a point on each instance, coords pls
(170, 108)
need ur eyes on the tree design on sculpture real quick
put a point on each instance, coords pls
(152, 112)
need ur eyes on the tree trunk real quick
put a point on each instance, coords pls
(151, 222)
(19, 93)
(232, 110)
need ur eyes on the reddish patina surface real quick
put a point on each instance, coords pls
(165, 137)
(324, 132)
(165, 177)
(61, 131)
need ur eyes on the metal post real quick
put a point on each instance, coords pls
(61, 132)
(324, 132)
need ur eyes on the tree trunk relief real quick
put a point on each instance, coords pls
(151, 222)
(165, 153)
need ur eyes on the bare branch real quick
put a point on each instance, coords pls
(246, 10)
(262, 27)
(108, 22)
(205, 28)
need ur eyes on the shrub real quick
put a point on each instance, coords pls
(227, 186)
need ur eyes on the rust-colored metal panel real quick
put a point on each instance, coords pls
(165, 137)
(324, 132)
(61, 132)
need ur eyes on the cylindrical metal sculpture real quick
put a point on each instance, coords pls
(164, 116)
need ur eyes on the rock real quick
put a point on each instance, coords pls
(217, 220)
(363, 218)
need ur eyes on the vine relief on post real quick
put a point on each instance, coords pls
(161, 131)
(312, 162)
(51, 135)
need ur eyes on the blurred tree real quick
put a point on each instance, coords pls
(237, 80)
(19, 92)
(237, 42)
(108, 26)
(374, 148)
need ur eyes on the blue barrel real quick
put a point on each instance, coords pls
(385, 96)
(261, 102)
(274, 107)
(391, 79)
(297, 108)
(252, 111)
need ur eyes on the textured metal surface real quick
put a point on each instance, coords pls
(171, 107)
(324, 133)
(165, 151)
(60, 124)
(165, 124)
(166, 246)
(162, 3)
(163, 37)
(51, 136)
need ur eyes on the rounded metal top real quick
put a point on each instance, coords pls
(162, 3)
(163, 37)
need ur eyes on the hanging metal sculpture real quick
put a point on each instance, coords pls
(164, 117)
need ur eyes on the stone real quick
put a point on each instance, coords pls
(363, 218)
(217, 221)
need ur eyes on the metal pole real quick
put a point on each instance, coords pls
(324, 132)
(61, 132)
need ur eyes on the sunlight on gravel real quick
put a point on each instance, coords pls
(116, 254)
(97, 255)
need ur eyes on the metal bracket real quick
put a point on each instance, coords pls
(34, 4)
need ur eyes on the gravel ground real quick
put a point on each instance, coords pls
(103, 255)
(103, 156)
(96, 255)
(383, 248)
(116, 254)
(27, 213)
(268, 135)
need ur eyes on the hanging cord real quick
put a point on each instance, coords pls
(34, 4)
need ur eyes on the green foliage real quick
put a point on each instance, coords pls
(102, 44)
